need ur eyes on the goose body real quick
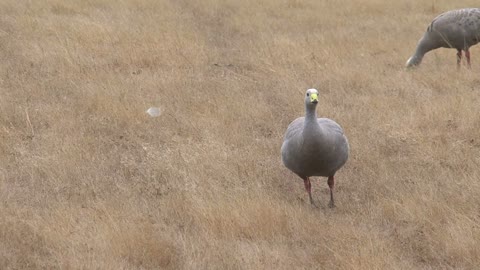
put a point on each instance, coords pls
(458, 29)
(314, 146)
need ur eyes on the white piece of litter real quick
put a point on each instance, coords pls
(154, 111)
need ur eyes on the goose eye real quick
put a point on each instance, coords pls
(308, 94)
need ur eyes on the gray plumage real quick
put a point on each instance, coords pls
(314, 146)
(458, 29)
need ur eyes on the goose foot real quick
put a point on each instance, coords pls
(331, 204)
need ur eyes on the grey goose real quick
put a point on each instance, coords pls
(314, 146)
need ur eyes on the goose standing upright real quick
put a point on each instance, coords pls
(458, 29)
(314, 146)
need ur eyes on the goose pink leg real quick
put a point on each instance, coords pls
(459, 58)
(467, 55)
(331, 183)
(308, 187)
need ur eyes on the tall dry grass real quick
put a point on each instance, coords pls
(89, 181)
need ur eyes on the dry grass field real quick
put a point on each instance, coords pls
(89, 181)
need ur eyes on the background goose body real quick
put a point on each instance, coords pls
(314, 146)
(459, 29)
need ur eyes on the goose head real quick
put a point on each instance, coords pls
(311, 98)
(413, 61)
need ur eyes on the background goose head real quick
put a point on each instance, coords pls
(413, 61)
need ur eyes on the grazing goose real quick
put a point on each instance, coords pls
(314, 146)
(458, 29)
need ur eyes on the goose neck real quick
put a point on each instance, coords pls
(311, 118)
(311, 113)
(425, 45)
